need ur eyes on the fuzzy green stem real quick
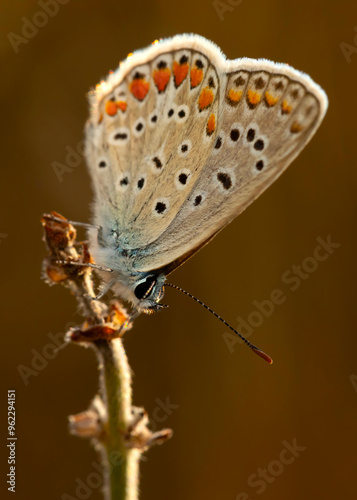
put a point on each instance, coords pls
(117, 396)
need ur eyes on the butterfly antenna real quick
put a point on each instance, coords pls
(254, 348)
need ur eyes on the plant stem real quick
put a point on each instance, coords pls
(117, 396)
(119, 430)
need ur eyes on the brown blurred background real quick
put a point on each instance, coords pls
(234, 410)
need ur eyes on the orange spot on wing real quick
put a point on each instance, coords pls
(206, 98)
(111, 108)
(122, 105)
(295, 128)
(196, 77)
(211, 124)
(161, 78)
(285, 108)
(270, 99)
(180, 72)
(139, 87)
(253, 97)
(234, 96)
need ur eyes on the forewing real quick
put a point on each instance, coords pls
(149, 137)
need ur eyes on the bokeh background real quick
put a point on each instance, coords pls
(234, 411)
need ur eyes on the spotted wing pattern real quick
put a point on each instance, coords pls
(181, 140)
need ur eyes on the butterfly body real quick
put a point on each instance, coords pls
(142, 289)
(179, 142)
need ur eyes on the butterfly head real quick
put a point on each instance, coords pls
(148, 292)
(143, 289)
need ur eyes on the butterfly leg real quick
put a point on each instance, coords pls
(131, 318)
(84, 264)
(74, 223)
(54, 216)
(104, 290)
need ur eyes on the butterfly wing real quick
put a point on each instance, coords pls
(242, 123)
(144, 139)
(268, 112)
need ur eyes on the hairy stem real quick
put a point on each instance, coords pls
(117, 395)
(119, 430)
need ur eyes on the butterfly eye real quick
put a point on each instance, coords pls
(144, 288)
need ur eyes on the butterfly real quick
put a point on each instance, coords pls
(180, 141)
